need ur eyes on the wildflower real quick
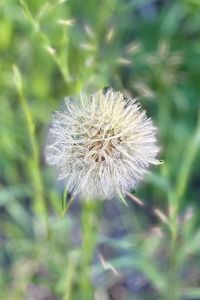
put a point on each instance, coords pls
(102, 145)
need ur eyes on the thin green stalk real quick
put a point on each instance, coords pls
(89, 226)
(190, 154)
(173, 288)
(39, 203)
(70, 277)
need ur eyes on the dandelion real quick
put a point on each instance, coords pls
(102, 145)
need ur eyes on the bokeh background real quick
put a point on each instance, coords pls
(50, 250)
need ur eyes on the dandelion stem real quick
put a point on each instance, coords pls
(89, 226)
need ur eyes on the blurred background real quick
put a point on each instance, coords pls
(148, 248)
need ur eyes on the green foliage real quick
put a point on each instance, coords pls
(52, 49)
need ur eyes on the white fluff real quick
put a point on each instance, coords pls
(102, 145)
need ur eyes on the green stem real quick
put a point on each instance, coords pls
(89, 226)
(173, 279)
(191, 151)
(34, 159)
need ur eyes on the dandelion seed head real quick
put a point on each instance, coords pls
(102, 145)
